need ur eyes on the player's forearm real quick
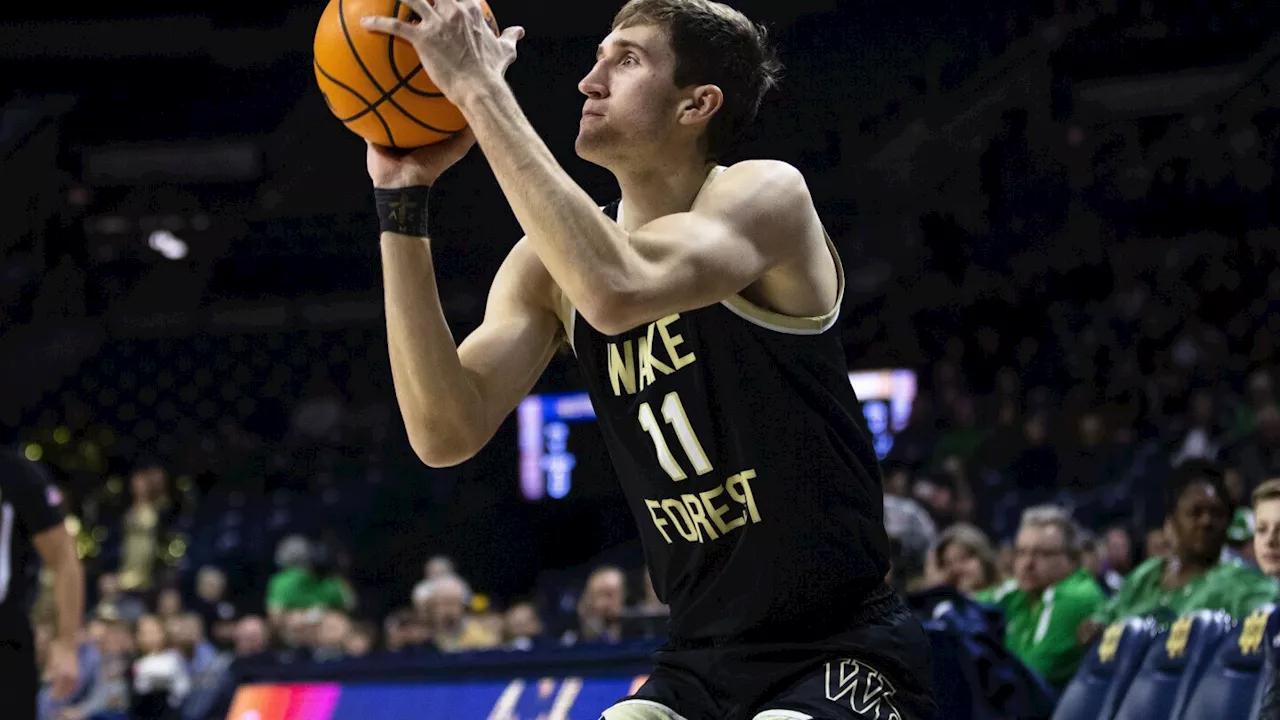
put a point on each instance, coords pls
(439, 403)
(586, 253)
(68, 597)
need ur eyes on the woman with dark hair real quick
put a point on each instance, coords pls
(1195, 576)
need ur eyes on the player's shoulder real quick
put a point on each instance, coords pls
(772, 177)
(768, 195)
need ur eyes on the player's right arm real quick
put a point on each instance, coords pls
(453, 397)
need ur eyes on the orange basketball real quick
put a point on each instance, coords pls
(374, 82)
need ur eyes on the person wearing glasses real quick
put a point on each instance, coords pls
(1049, 595)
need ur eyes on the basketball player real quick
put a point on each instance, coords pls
(702, 308)
(31, 523)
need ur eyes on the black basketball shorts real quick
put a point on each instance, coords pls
(19, 681)
(879, 669)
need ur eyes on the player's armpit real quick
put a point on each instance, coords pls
(755, 217)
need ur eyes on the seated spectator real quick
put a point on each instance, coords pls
(443, 605)
(297, 587)
(169, 604)
(1266, 538)
(1196, 577)
(1049, 595)
(297, 633)
(908, 522)
(186, 635)
(213, 606)
(1240, 537)
(521, 628)
(600, 608)
(213, 689)
(331, 637)
(437, 567)
(962, 559)
(403, 630)
(113, 604)
(160, 680)
(1159, 542)
(360, 640)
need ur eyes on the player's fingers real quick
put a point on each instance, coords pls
(390, 26)
(511, 36)
(423, 8)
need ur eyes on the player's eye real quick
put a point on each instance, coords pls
(630, 60)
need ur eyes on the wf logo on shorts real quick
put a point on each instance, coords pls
(870, 693)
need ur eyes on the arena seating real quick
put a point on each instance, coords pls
(1204, 666)
(1174, 662)
(1106, 672)
(1232, 684)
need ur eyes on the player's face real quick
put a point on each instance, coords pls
(1266, 537)
(632, 106)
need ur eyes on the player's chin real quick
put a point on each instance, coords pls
(589, 147)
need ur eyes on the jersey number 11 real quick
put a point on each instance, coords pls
(673, 413)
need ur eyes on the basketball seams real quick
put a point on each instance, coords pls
(403, 81)
(372, 87)
(342, 22)
(368, 107)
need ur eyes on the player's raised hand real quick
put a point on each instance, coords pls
(457, 47)
(390, 168)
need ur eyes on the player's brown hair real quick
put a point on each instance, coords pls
(714, 45)
(1269, 490)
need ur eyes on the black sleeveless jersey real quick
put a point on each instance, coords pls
(735, 435)
(29, 505)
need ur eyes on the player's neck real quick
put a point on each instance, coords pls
(653, 191)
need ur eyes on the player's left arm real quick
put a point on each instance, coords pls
(751, 218)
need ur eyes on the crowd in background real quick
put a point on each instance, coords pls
(1098, 416)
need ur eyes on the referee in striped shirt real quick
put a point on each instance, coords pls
(30, 525)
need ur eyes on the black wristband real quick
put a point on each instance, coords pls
(403, 210)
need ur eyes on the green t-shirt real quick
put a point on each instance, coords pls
(298, 589)
(1229, 586)
(1041, 631)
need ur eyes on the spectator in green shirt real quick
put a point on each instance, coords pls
(297, 586)
(1195, 576)
(1049, 595)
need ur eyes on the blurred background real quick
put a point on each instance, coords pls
(1058, 218)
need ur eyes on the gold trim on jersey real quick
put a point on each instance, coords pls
(740, 306)
(791, 324)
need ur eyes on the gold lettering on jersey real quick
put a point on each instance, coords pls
(671, 342)
(649, 363)
(680, 519)
(635, 365)
(622, 368)
(702, 517)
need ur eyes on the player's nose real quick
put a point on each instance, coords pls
(592, 85)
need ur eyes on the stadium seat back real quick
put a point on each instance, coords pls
(1106, 671)
(1229, 686)
(1173, 664)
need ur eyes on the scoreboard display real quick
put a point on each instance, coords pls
(560, 441)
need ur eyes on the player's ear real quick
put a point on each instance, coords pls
(702, 103)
